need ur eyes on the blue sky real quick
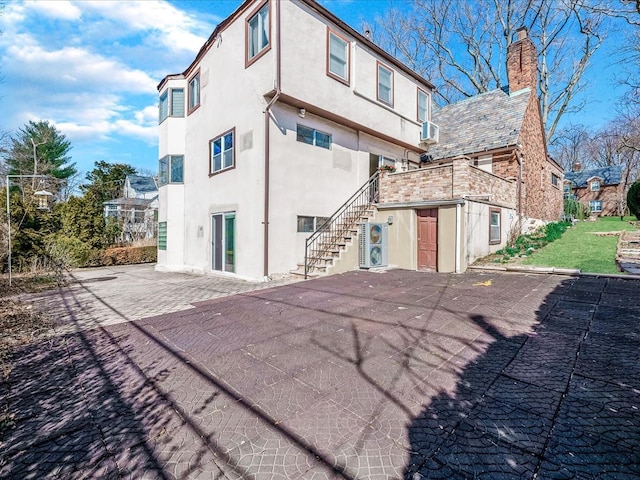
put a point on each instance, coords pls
(92, 67)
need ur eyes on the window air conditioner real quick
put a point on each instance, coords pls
(430, 132)
(372, 243)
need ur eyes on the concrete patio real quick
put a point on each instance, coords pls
(357, 376)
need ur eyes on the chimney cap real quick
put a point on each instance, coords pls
(522, 33)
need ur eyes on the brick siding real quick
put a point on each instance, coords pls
(453, 180)
(610, 195)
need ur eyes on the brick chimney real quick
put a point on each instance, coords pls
(522, 63)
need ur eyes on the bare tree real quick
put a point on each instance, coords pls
(461, 46)
(570, 146)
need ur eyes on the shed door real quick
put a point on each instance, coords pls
(428, 239)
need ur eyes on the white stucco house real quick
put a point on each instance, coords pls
(137, 209)
(282, 123)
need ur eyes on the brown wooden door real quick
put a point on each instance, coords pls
(428, 239)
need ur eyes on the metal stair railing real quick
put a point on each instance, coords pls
(331, 232)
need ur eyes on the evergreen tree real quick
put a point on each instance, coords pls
(40, 149)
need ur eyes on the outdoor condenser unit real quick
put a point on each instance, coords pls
(372, 243)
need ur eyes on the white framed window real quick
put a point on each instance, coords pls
(309, 224)
(494, 226)
(177, 102)
(338, 56)
(222, 152)
(312, 136)
(163, 107)
(112, 211)
(258, 28)
(385, 84)
(595, 205)
(424, 103)
(555, 180)
(194, 92)
(170, 169)
(595, 186)
(171, 104)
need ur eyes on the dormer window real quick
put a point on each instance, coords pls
(595, 186)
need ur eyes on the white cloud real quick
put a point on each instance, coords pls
(174, 28)
(71, 65)
(61, 9)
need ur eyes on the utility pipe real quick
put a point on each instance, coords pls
(267, 114)
(458, 250)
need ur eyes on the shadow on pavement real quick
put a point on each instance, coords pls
(560, 403)
(370, 376)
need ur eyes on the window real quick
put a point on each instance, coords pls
(310, 224)
(257, 28)
(385, 84)
(222, 152)
(171, 169)
(423, 106)
(177, 102)
(313, 137)
(171, 103)
(555, 180)
(595, 205)
(337, 57)
(112, 211)
(138, 216)
(595, 186)
(164, 106)
(162, 235)
(194, 92)
(494, 226)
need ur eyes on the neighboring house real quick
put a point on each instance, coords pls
(599, 188)
(137, 209)
(281, 124)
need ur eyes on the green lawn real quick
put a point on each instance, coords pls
(579, 248)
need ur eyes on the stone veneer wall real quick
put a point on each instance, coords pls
(446, 182)
(431, 183)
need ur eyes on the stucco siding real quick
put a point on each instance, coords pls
(356, 100)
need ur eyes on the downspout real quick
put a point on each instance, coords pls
(458, 250)
(519, 159)
(267, 114)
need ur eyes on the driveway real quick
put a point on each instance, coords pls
(363, 375)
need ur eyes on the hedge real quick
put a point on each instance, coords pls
(129, 255)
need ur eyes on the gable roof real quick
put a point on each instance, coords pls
(142, 184)
(484, 122)
(611, 175)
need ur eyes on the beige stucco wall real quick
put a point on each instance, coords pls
(447, 238)
(477, 230)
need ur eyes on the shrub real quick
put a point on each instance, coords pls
(129, 255)
(575, 209)
(633, 199)
(66, 252)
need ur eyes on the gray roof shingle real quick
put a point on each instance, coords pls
(142, 184)
(477, 124)
(611, 175)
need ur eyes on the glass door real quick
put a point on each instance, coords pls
(223, 233)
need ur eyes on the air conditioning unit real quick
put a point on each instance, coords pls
(430, 132)
(372, 243)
